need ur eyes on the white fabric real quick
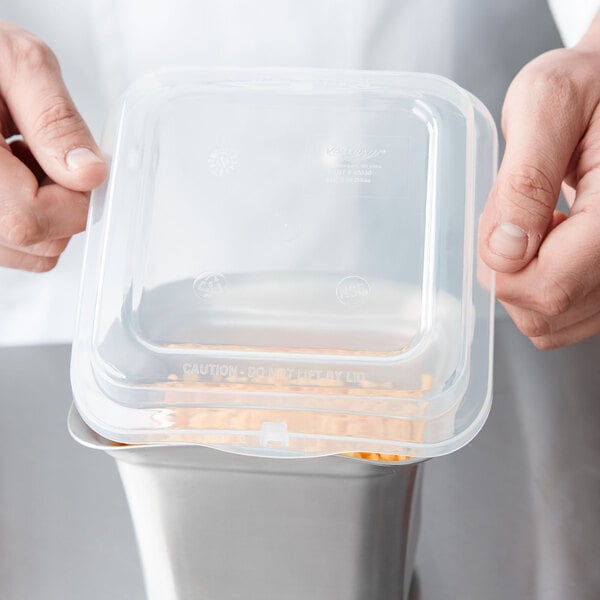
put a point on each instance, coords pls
(573, 18)
(104, 44)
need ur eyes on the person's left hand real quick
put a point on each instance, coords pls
(548, 263)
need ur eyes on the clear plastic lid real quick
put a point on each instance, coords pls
(284, 262)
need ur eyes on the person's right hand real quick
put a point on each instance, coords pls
(45, 179)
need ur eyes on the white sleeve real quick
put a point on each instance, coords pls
(573, 17)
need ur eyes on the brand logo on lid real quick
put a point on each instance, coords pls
(358, 154)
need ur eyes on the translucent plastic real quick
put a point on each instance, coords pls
(283, 263)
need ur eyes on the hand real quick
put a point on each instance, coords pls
(44, 179)
(548, 263)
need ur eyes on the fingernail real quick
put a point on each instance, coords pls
(78, 158)
(509, 241)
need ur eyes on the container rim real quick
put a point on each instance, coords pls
(83, 434)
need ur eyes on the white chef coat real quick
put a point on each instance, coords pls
(104, 44)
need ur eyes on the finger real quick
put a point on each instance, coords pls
(30, 214)
(534, 324)
(567, 267)
(543, 120)
(15, 259)
(51, 249)
(570, 335)
(60, 212)
(44, 112)
(485, 275)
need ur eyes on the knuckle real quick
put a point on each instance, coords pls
(555, 81)
(555, 298)
(529, 190)
(58, 119)
(31, 54)
(20, 230)
(558, 82)
(532, 324)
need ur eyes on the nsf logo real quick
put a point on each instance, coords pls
(208, 285)
(353, 291)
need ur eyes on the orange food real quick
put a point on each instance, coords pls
(377, 456)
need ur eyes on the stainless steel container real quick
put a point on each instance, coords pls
(213, 525)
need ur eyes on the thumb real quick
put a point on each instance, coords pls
(542, 123)
(44, 113)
